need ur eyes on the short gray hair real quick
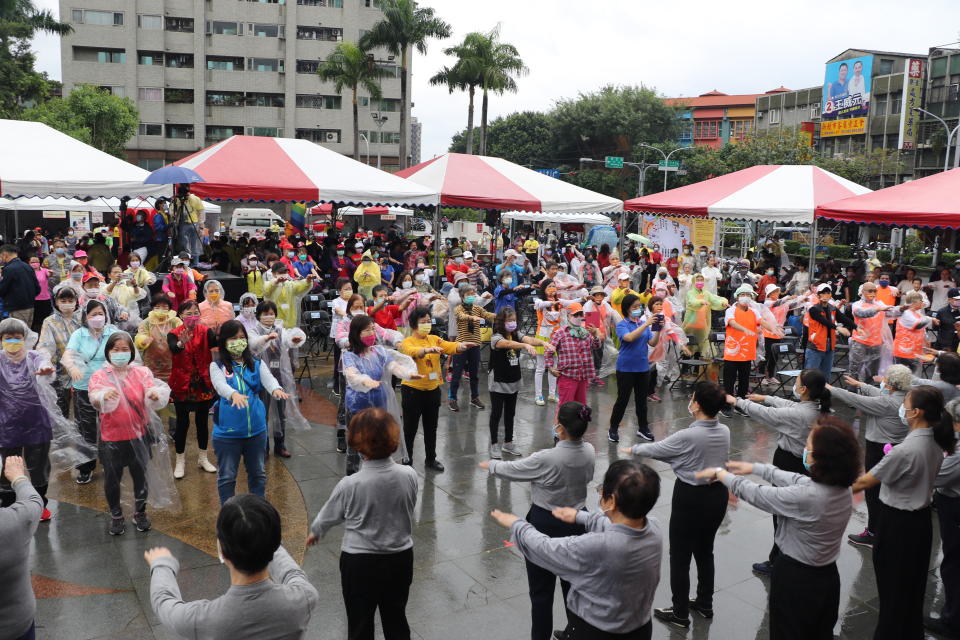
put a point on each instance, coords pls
(953, 408)
(899, 377)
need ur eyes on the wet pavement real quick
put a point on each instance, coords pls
(468, 580)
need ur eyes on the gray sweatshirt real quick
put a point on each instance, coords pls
(881, 411)
(376, 507)
(812, 516)
(276, 608)
(792, 420)
(18, 523)
(559, 476)
(705, 443)
(948, 478)
(949, 391)
(908, 472)
(613, 569)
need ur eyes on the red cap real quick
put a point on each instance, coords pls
(90, 275)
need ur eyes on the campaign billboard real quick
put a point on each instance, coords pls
(846, 88)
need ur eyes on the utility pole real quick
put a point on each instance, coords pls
(379, 119)
(666, 159)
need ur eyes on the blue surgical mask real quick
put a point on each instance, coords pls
(806, 465)
(884, 283)
(883, 389)
(636, 313)
(903, 415)
(120, 358)
(469, 299)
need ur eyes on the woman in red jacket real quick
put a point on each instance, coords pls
(191, 345)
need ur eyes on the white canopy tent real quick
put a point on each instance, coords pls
(357, 211)
(103, 205)
(577, 218)
(39, 161)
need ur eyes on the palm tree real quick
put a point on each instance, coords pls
(19, 21)
(348, 65)
(404, 25)
(497, 62)
(457, 79)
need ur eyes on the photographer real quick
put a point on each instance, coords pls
(633, 364)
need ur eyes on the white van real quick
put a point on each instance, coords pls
(256, 222)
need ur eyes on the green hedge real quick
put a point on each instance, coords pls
(922, 259)
(884, 255)
(839, 251)
(804, 251)
(791, 246)
(949, 258)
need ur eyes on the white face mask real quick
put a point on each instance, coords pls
(406, 284)
(248, 311)
(421, 277)
(67, 307)
(268, 320)
(744, 300)
(92, 292)
(134, 265)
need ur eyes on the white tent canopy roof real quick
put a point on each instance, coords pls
(39, 161)
(581, 218)
(104, 205)
(357, 211)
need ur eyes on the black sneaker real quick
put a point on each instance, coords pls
(727, 412)
(740, 412)
(613, 435)
(644, 432)
(117, 527)
(865, 539)
(407, 462)
(764, 568)
(667, 616)
(939, 627)
(84, 477)
(341, 442)
(476, 403)
(703, 611)
(558, 634)
(435, 465)
(452, 404)
(141, 521)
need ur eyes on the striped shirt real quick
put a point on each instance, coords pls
(469, 322)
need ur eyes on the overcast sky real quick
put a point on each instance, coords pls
(679, 48)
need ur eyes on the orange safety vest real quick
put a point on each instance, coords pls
(812, 299)
(885, 295)
(545, 328)
(738, 346)
(869, 331)
(908, 343)
(819, 334)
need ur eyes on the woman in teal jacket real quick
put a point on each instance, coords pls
(240, 422)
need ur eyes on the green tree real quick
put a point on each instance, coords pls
(456, 79)
(348, 65)
(404, 26)
(20, 20)
(91, 115)
(525, 138)
(497, 62)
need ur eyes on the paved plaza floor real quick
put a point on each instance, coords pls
(469, 582)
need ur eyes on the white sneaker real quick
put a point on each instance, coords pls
(495, 451)
(178, 469)
(204, 463)
(539, 401)
(509, 447)
(553, 399)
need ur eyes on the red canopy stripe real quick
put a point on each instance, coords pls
(468, 181)
(695, 199)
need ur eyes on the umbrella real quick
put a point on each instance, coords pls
(172, 174)
(636, 237)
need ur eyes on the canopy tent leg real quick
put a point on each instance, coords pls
(813, 248)
(437, 245)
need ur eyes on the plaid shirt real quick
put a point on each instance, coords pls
(574, 357)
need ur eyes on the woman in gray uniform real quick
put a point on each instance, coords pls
(906, 475)
(946, 498)
(613, 569)
(698, 506)
(792, 421)
(559, 478)
(813, 514)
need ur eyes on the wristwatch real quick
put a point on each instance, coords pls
(716, 472)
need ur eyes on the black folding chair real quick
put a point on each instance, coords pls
(696, 364)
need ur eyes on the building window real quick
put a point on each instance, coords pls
(389, 70)
(885, 68)
(371, 4)
(706, 129)
(774, 116)
(319, 135)
(879, 105)
(92, 54)
(225, 98)
(740, 128)
(182, 25)
(333, 34)
(895, 102)
(180, 60)
(307, 66)
(363, 101)
(892, 140)
(269, 132)
(150, 164)
(221, 28)
(218, 133)
(265, 30)
(952, 92)
(334, 4)
(814, 110)
(264, 64)
(150, 58)
(147, 21)
(264, 100)
(224, 63)
(876, 142)
(319, 101)
(382, 137)
(180, 131)
(117, 90)
(147, 129)
(150, 94)
(103, 18)
(178, 96)
(268, 1)
(389, 105)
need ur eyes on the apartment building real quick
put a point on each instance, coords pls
(715, 118)
(201, 71)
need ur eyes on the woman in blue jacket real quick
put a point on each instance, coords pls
(240, 424)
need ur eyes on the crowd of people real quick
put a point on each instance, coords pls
(105, 362)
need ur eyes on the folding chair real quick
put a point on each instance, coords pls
(697, 364)
(841, 354)
(317, 327)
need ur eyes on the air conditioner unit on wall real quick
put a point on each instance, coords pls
(330, 136)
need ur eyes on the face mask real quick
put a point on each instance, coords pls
(290, 254)
(883, 389)
(213, 297)
(421, 277)
(159, 315)
(67, 307)
(703, 254)
(424, 328)
(769, 272)
(134, 265)
(381, 301)
(663, 276)
(806, 465)
(458, 260)
(796, 394)
(406, 284)
(510, 326)
(903, 415)
(357, 312)
(76, 276)
(576, 320)
(70, 233)
(552, 316)
(346, 294)
(248, 311)
(743, 300)
(92, 292)
(252, 263)
(690, 408)
(469, 300)
(178, 272)
(268, 319)
(636, 313)
(698, 285)
(237, 347)
(506, 282)
(884, 283)
(12, 345)
(96, 322)
(191, 321)
(35, 266)
(303, 257)
(120, 358)
(60, 251)
(340, 252)
(955, 304)
(369, 340)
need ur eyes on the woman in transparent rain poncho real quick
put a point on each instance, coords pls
(248, 311)
(31, 424)
(696, 320)
(151, 341)
(55, 332)
(276, 346)
(367, 368)
(127, 292)
(131, 436)
(664, 356)
(214, 310)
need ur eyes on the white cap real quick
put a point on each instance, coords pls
(216, 234)
(623, 276)
(770, 288)
(359, 245)
(467, 255)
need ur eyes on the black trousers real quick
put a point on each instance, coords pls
(280, 432)
(41, 309)
(948, 513)
(872, 454)
(504, 404)
(772, 352)
(338, 386)
(580, 629)
(87, 422)
(696, 514)
(804, 600)
(901, 558)
(132, 455)
(372, 581)
(63, 397)
(201, 412)
(543, 583)
(652, 379)
(631, 382)
(418, 404)
(736, 373)
(36, 457)
(783, 459)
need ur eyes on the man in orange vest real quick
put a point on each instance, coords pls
(743, 321)
(870, 334)
(911, 327)
(822, 330)
(887, 294)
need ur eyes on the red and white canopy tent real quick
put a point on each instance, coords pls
(927, 202)
(260, 169)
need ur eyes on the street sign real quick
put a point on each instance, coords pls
(553, 173)
(671, 165)
(614, 162)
